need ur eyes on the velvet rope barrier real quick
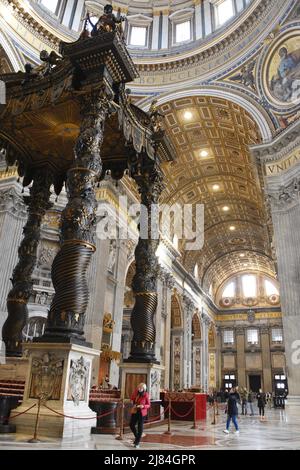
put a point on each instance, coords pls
(182, 416)
(158, 417)
(81, 418)
(23, 412)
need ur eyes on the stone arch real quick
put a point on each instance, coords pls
(11, 53)
(255, 110)
(176, 312)
(176, 370)
(196, 327)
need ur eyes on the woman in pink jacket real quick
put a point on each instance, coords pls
(141, 405)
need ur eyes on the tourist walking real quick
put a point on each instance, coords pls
(232, 412)
(250, 402)
(141, 404)
(244, 398)
(269, 399)
(261, 403)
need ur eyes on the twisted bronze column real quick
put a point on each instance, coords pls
(67, 312)
(144, 284)
(38, 203)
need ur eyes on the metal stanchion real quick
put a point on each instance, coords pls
(168, 432)
(35, 439)
(217, 407)
(195, 415)
(121, 436)
(214, 408)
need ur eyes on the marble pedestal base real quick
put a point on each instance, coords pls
(13, 368)
(63, 372)
(132, 374)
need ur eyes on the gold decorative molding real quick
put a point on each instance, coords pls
(10, 173)
(281, 166)
(244, 316)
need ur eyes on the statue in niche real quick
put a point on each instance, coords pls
(112, 256)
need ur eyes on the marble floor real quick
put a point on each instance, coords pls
(281, 431)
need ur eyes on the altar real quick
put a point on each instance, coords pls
(183, 404)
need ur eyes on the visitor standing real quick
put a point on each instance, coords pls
(261, 403)
(250, 402)
(244, 398)
(139, 411)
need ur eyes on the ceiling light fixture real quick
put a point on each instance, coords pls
(204, 153)
(188, 115)
(216, 187)
(232, 228)
(225, 208)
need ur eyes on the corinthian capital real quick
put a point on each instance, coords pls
(286, 197)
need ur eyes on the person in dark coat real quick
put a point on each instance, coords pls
(261, 403)
(232, 411)
(250, 402)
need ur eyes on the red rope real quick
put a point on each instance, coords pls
(74, 417)
(182, 416)
(23, 412)
(158, 417)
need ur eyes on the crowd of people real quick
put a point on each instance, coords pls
(245, 399)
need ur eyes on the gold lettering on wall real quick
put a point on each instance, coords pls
(283, 165)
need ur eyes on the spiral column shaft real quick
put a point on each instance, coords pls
(18, 297)
(144, 284)
(67, 312)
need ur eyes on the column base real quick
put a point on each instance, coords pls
(132, 374)
(141, 360)
(63, 340)
(62, 372)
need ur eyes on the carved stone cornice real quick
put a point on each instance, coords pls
(216, 57)
(166, 277)
(11, 201)
(206, 319)
(282, 145)
(36, 28)
(287, 197)
(218, 48)
(188, 303)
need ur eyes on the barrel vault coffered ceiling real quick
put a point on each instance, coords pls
(214, 167)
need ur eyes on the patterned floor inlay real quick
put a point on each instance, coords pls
(179, 440)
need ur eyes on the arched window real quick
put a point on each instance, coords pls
(270, 288)
(249, 286)
(229, 290)
(224, 11)
(51, 5)
(196, 272)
